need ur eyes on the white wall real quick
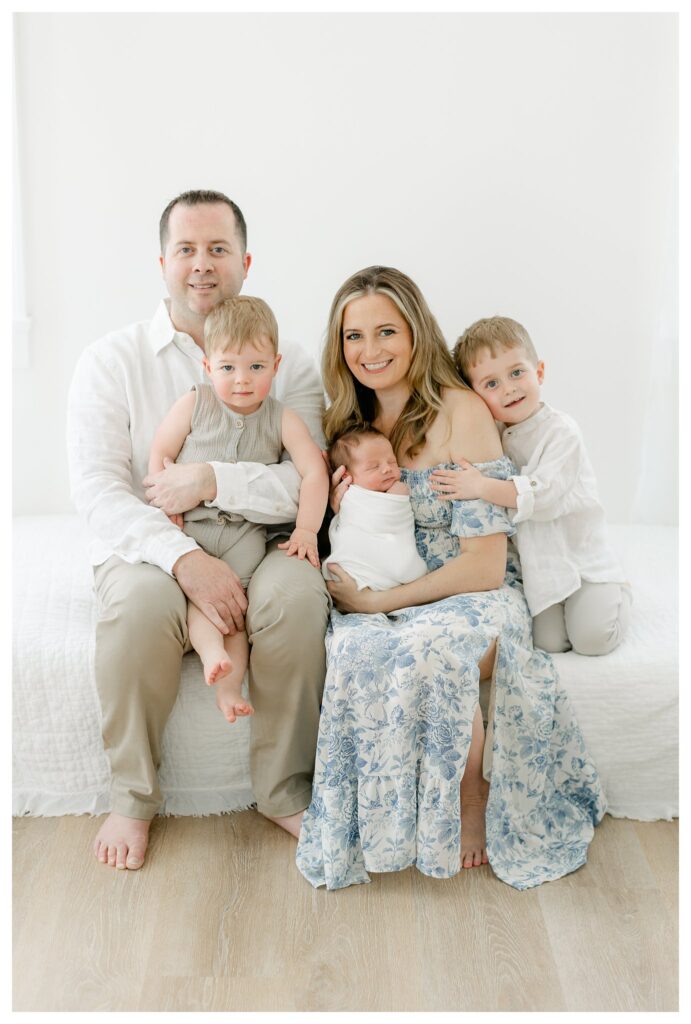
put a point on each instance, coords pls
(516, 164)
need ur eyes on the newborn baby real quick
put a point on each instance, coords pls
(373, 536)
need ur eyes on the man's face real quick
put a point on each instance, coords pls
(203, 262)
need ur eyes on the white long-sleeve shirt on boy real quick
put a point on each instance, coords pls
(561, 531)
(123, 386)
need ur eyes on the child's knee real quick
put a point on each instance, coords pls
(597, 618)
(549, 630)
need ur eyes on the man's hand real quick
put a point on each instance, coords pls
(302, 543)
(340, 482)
(458, 484)
(214, 588)
(178, 488)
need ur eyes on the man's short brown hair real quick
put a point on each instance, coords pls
(238, 322)
(342, 451)
(496, 333)
(194, 198)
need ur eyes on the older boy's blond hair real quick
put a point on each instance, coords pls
(237, 322)
(496, 333)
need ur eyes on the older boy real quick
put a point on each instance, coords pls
(574, 586)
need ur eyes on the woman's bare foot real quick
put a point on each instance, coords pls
(121, 842)
(217, 669)
(473, 807)
(291, 823)
(231, 703)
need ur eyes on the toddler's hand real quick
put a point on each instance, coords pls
(458, 484)
(302, 543)
(177, 520)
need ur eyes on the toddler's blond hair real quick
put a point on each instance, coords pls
(496, 333)
(238, 322)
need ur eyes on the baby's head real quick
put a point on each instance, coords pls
(498, 359)
(367, 456)
(241, 351)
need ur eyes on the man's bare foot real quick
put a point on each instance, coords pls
(231, 703)
(473, 851)
(122, 842)
(291, 823)
(216, 670)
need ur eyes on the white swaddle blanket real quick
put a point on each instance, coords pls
(373, 539)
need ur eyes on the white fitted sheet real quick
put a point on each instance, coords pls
(626, 702)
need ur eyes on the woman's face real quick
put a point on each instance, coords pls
(377, 342)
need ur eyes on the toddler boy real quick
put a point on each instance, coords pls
(233, 418)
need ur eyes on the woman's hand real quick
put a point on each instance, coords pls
(340, 482)
(345, 593)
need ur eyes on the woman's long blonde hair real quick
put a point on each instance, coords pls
(431, 367)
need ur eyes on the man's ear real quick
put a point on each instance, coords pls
(247, 263)
(540, 372)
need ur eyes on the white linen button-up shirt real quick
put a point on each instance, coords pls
(123, 386)
(561, 531)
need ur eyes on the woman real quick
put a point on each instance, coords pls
(402, 763)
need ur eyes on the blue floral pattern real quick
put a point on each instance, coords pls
(399, 700)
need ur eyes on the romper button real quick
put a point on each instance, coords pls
(239, 424)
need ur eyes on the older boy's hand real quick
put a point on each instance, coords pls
(180, 487)
(458, 484)
(340, 482)
(302, 543)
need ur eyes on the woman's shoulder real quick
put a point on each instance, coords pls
(474, 434)
(462, 401)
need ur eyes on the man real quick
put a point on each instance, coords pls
(145, 568)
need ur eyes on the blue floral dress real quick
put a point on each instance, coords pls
(395, 728)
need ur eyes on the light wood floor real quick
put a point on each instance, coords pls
(220, 919)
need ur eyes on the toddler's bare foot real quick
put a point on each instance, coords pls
(216, 670)
(291, 823)
(231, 703)
(121, 842)
(473, 852)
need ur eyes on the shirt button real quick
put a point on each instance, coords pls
(239, 424)
(533, 483)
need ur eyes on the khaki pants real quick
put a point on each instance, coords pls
(592, 621)
(141, 636)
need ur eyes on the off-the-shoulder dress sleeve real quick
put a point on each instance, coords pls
(478, 518)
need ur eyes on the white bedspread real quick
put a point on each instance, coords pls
(626, 702)
(59, 763)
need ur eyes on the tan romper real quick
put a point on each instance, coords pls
(220, 435)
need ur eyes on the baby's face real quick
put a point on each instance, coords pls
(374, 465)
(508, 384)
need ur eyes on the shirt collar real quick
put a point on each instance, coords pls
(163, 333)
(527, 426)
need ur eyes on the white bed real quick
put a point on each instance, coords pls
(626, 702)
